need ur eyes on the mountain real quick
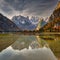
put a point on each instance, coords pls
(54, 21)
(41, 23)
(58, 5)
(24, 23)
(56, 13)
(7, 25)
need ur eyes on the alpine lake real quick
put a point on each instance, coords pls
(50, 40)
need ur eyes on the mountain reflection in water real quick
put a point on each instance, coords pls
(19, 42)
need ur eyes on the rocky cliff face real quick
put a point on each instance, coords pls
(6, 24)
(54, 20)
(24, 23)
(56, 13)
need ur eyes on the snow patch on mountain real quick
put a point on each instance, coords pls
(24, 23)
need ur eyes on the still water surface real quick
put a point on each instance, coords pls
(20, 41)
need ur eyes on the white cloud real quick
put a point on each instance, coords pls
(27, 7)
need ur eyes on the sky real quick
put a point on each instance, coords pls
(40, 8)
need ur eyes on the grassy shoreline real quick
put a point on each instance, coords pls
(9, 38)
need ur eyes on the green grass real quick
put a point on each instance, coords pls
(54, 44)
(6, 40)
(55, 47)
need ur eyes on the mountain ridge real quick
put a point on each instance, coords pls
(6, 24)
(54, 21)
(24, 23)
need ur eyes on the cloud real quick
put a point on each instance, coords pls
(28, 7)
